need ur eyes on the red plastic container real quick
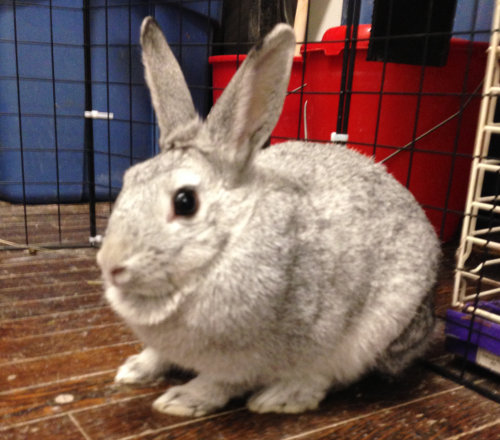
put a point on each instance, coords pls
(390, 95)
(223, 68)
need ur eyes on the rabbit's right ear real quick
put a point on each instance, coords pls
(243, 118)
(169, 92)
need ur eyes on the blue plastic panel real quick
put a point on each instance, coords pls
(116, 61)
(42, 96)
(41, 102)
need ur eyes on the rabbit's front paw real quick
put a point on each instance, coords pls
(198, 397)
(286, 397)
(140, 368)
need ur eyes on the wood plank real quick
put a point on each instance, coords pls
(127, 419)
(440, 416)
(57, 322)
(64, 366)
(41, 264)
(56, 290)
(20, 349)
(47, 401)
(366, 397)
(471, 373)
(51, 303)
(437, 416)
(35, 280)
(77, 236)
(23, 309)
(59, 428)
(490, 431)
(13, 258)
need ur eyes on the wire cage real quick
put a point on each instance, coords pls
(473, 325)
(75, 109)
(401, 85)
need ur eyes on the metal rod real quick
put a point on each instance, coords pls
(352, 60)
(382, 79)
(463, 104)
(20, 125)
(420, 89)
(303, 74)
(108, 109)
(54, 112)
(89, 129)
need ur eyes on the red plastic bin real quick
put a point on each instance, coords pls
(390, 95)
(223, 69)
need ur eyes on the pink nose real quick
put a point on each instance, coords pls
(118, 275)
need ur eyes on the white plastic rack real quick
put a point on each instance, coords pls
(478, 257)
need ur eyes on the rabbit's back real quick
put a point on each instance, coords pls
(347, 189)
(376, 249)
(354, 207)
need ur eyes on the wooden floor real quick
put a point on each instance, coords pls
(50, 224)
(61, 344)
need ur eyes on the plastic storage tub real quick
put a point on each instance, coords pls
(131, 135)
(477, 339)
(39, 114)
(223, 68)
(390, 96)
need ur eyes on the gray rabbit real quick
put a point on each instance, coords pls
(283, 272)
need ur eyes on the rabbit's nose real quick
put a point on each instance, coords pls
(112, 263)
(119, 275)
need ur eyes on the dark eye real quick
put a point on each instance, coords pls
(185, 202)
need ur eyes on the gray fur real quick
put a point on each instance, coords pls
(306, 266)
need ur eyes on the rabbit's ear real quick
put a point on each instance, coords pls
(245, 115)
(169, 92)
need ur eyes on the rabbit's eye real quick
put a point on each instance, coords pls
(185, 202)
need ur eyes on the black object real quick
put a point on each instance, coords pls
(411, 31)
(246, 21)
(89, 129)
(348, 61)
(185, 202)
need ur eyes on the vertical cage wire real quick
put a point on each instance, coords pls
(54, 106)
(464, 100)
(351, 38)
(345, 94)
(101, 84)
(89, 129)
(19, 114)
(302, 98)
(420, 90)
(382, 80)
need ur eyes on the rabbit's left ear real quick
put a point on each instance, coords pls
(169, 92)
(245, 115)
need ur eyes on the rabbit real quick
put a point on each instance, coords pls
(278, 273)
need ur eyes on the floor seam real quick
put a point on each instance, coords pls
(78, 426)
(380, 411)
(474, 430)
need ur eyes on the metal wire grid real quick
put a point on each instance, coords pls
(483, 234)
(477, 279)
(96, 40)
(88, 7)
(92, 211)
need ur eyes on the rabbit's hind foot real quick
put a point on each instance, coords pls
(290, 397)
(197, 398)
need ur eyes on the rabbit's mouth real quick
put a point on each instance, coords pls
(142, 308)
(130, 285)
